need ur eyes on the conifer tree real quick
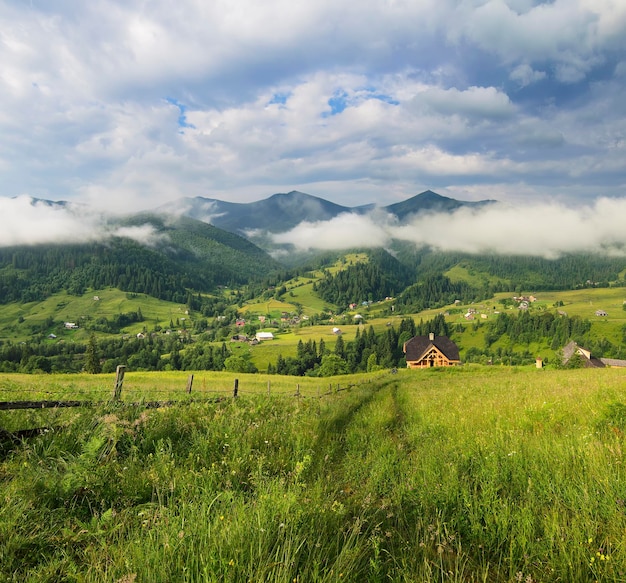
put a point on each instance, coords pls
(92, 362)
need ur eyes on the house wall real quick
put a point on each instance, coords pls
(432, 359)
(427, 363)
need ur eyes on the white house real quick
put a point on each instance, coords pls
(264, 336)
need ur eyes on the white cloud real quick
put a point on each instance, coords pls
(571, 34)
(525, 75)
(97, 99)
(343, 232)
(25, 221)
(485, 102)
(545, 229)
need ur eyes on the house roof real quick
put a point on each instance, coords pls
(615, 362)
(416, 347)
(589, 361)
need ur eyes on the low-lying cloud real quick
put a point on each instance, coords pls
(25, 221)
(543, 229)
(548, 229)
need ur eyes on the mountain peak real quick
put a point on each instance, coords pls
(429, 202)
(283, 211)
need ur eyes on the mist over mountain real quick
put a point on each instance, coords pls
(284, 211)
(276, 214)
(294, 224)
(158, 255)
(430, 202)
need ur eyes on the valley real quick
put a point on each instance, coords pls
(332, 461)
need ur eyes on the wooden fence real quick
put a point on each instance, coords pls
(116, 396)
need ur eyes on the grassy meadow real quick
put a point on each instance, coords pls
(18, 320)
(472, 474)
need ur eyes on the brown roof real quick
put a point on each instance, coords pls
(416, 347)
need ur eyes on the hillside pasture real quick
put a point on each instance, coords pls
(17, 321)
(286, 343)
(470, 474)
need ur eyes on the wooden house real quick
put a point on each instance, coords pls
(430, 351)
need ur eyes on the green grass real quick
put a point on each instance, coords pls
(157, 385)
(62, 308)
(304, 295)
(464, 475)
(478, 279)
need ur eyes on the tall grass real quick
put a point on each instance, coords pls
(485, 475)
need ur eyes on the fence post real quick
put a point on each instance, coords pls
(236, 389)
(189, 383)
(119, 381)
(298, 390)
(268, 387)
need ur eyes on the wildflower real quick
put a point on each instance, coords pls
(231, 563)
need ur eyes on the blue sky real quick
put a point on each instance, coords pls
(127, 105)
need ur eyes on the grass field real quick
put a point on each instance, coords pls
(462, 475)
(16, 321)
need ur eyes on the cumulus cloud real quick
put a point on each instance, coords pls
(112, 102)
(25, 221)
(475, 101)
(546, 229)
(525, 75)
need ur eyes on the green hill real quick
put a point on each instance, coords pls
(185, 255)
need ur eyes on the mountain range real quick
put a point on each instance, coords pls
(197, 245)
(283, 211)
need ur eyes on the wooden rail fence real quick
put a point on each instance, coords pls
(117, 397)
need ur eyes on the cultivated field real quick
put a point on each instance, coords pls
(469, 474)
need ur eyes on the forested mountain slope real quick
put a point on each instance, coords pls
(185, 255)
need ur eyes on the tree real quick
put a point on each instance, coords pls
(332, 365)
(340, 348)
(238, 364)
(92, 362)
(372, 363)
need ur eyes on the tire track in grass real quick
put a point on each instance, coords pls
(358, 438)
(334, 422)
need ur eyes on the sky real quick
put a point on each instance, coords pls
(126, 105)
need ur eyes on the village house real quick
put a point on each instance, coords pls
(430, 351)
(588, 360)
